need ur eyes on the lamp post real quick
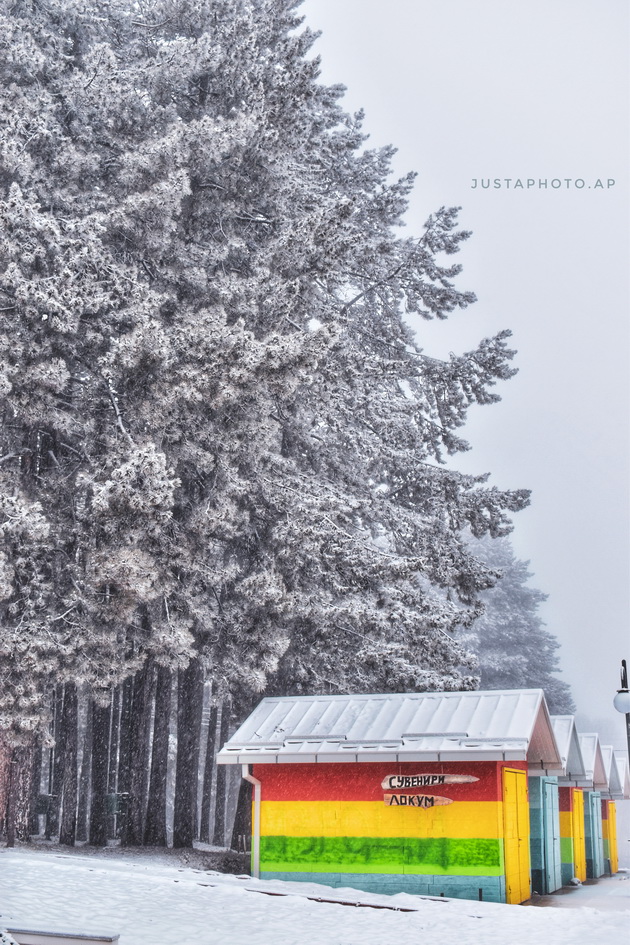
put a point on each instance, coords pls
(621, 701)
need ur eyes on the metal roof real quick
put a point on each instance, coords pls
(595, 772)
(495, 725)
(614, 790)
(621, 759)
(569, 746)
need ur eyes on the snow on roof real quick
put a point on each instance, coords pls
(614, 790)
(595, 772)
(568, 743)
(496, 725)
(621, 760)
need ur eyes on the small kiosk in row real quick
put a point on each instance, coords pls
(415, 792)
(613, 793)
(570, 801)
(594, 784)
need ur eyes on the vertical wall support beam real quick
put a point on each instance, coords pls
(255, 822)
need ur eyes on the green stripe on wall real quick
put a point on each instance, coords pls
(481, 857)
(566, 849)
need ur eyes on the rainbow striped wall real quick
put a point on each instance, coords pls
(566, 835)
(572, 850)
(609, 833)
(328, 823)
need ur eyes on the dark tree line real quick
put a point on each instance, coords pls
(104, 773)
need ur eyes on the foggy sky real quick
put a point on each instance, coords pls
(498, 89)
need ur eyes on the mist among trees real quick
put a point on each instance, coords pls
(514, 648)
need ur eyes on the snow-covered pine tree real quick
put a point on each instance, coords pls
(214, 413)
(514, 648)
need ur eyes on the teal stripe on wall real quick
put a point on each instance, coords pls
(455, 887)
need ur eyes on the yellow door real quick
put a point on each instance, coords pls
(516, 835)
(579, 842)
(612, 837)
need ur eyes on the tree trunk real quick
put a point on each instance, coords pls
(189, 708)
(221, 793)
(20, 777)
(5, 772)
(114, 745)
(68, 825)
(124, 758)
(83, 807)
(206, 794)
(33, 824)
(242, 830)
(56, 778)
(140, 746)
(155, 829)
(100, 745)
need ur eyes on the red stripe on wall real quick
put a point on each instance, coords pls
(362, 781)
(565, 798)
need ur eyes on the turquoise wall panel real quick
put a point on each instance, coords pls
(455, 887)
(593, 834)
(544, 822)
(551, 828)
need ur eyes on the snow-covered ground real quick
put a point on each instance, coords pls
(150, 901)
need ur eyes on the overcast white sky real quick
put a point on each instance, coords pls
(485, 89)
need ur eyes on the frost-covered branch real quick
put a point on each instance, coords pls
(119, 421)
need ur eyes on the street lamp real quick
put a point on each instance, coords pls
(621, 701)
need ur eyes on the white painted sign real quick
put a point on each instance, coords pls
(415, 800)
(396, 781)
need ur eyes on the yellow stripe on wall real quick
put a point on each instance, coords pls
(612, 837)
(566, 823)
(463, 819)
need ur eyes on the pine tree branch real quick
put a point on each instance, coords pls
(98, 65)
(375, 285)
(152, 26)
(119, 420)
(354, 633)
(65, 613)
(364, 544)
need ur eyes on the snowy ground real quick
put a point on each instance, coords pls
(153, 901)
